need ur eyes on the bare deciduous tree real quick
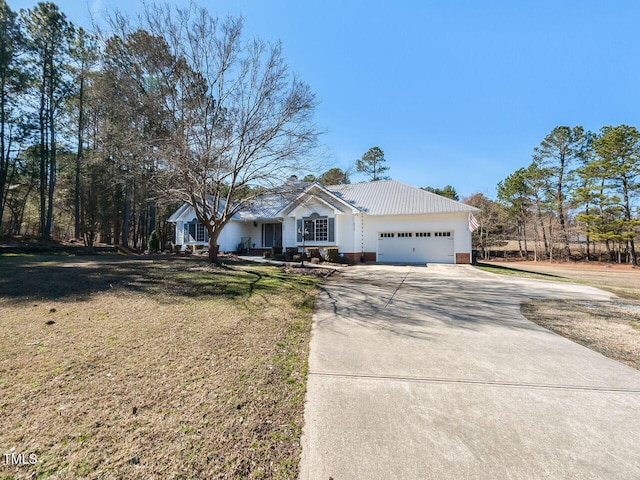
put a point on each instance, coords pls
(237, 123)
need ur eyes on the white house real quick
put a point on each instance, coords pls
(384, 221)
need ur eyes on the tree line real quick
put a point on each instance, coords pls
(101, 133)
(577, 199)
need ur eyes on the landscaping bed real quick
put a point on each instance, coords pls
(114, 367)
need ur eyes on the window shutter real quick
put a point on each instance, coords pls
(299, 230)
(332, 236)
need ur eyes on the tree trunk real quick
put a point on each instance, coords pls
(78, 229)
(524, 231)
(5, 155)
(519, 230)
(213, 247)
(43, 158)
(565, 236)
(632, 250)
(52, 166)
(126, 219)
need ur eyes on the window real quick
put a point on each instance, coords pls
(316, 229)
(423, 234)
(199, 232)
(405, 235)
(387, 235)
(194, 231)
(442, 234)
(322, 230)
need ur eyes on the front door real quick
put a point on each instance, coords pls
(272, 235)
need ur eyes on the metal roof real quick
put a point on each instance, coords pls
(390, 197)
(384, 197)
(265, 206)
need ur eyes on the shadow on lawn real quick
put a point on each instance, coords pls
(77, 278)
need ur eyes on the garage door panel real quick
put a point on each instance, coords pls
(416, 248)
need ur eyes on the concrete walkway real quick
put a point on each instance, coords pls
(433, 373)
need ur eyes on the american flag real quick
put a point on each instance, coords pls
(473, 223)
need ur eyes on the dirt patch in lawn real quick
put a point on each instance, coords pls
(611, 328)
(152, 368)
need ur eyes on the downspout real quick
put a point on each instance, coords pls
(362, 237)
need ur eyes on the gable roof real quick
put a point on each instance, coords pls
(321, 193)
(390, 197)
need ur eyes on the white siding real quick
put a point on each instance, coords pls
(344, 232)
(289, 232)
(232, 233)
(314, 206)
(179, 232)
(305, 210)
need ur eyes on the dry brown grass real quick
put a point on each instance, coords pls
(611, 328)
(152, 369)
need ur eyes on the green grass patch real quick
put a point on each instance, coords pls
(520, 273)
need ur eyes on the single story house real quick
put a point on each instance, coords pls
(384, 221)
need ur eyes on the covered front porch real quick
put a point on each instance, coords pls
(254, 236)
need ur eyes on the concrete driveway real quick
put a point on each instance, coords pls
(432, 372)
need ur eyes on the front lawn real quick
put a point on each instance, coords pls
(114, 367)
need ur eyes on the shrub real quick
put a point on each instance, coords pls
(315, 260)
(297, 258)
(154, 242)
(276, 251)
(290, 252)
(266, 255)
(314, 253)
(332, 255)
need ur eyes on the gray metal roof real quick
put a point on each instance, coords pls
(389, 197)
(384, 197)
(265, 206)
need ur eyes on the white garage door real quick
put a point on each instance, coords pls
(415, 247)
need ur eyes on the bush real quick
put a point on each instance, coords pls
(332, 255)
(266, 255)
(297, 258)
(314, 253)
(154, 242)
(276, 251)
(315, 260)
(290, 252)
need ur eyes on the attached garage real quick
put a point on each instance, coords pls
(416, 247)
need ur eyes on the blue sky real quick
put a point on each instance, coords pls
(455, 92)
